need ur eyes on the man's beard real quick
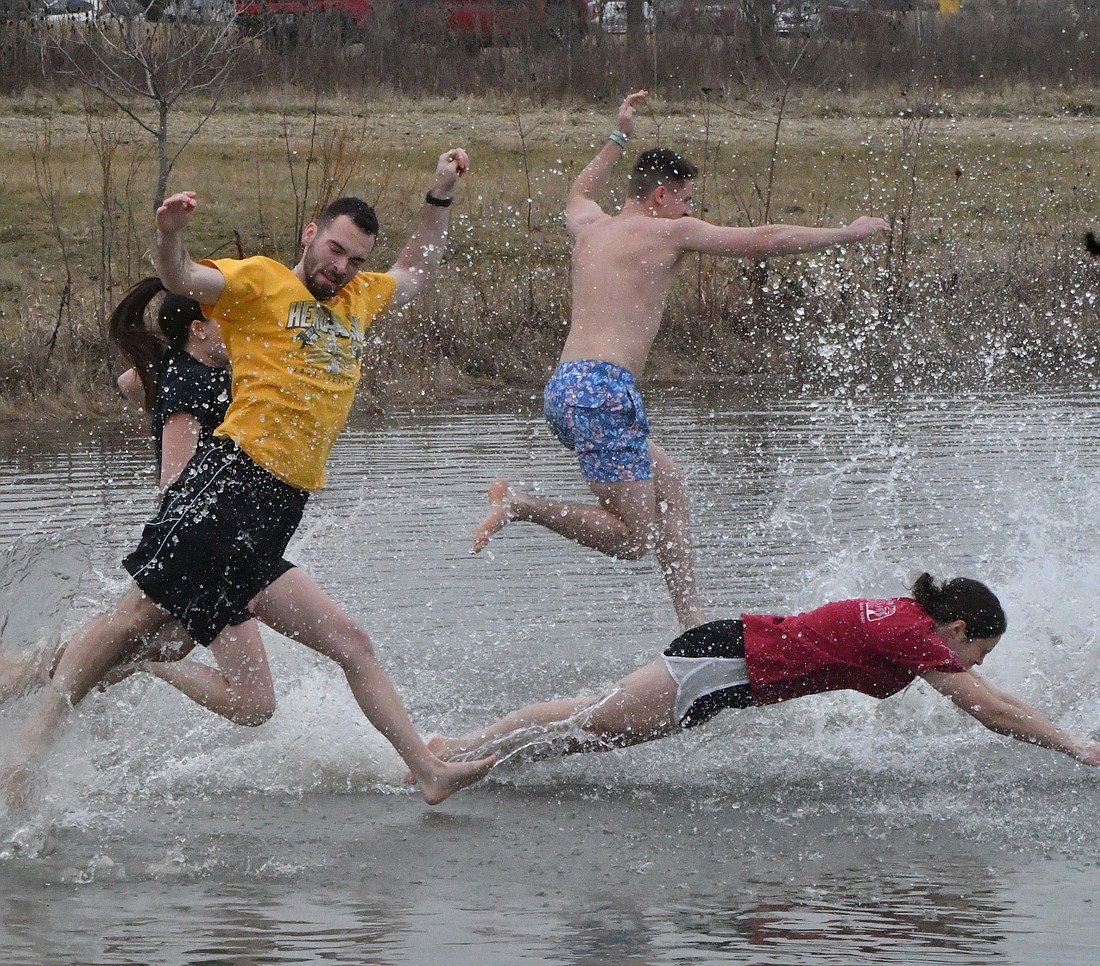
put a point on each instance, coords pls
(321, 287)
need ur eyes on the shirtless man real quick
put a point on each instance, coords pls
(623, 266)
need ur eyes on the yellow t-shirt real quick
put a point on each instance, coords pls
(296, 362)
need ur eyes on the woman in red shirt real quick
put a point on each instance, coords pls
(940, 633)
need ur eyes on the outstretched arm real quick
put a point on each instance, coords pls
(582, 205)
(423, 251)
(770, 241)
(179, 272)
(1008, 715)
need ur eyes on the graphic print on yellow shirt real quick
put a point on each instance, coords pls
(328, 343)
(296, 362)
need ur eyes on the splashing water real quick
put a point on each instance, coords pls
(794, 503)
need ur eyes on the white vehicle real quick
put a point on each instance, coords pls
(610, 15)
(797, 19)
(59, 11)
(200, 11)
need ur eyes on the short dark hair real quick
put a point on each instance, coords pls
(657, 167)
(361, 214)
(961, 599)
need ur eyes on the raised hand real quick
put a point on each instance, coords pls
(175, 213)
(625, 121)
(453, 164)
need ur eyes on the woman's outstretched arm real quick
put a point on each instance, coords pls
(1008, 715)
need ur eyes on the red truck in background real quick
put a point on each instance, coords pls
(476, 22)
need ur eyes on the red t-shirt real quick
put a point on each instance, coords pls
(873, 646)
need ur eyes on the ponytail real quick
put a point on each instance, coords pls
(143, 347)
(961, 599)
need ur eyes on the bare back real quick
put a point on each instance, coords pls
(623, 267)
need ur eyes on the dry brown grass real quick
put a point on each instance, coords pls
(992, 282)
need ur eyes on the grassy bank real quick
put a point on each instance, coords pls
(985, 279)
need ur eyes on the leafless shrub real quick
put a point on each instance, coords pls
(145, 68)
(923, 311)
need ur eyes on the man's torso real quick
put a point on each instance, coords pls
(623, 266)
(295, 361)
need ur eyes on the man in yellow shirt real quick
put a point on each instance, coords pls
(212, 558)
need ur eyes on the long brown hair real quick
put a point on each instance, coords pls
(144, 347)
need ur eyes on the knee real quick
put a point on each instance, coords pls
(138, 617)
(636, 544)
(354, 650)
(634, 550)
(258, 710)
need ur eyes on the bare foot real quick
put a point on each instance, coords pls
(18, 785)
(445, 749)
(449, 777)
(18, 675)
(501, 513)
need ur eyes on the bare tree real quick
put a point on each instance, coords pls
(147, 67)
(635, 22)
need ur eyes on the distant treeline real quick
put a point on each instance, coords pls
(849, 46)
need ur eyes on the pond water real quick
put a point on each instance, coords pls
(834, 829)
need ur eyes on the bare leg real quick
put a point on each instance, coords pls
(630, 518)
(638, 709)
(241, 690)
(672, 546)
(168, 643)
(20, 673)
(621, 525)
(101, 643)
(298, 608)
(97, 647)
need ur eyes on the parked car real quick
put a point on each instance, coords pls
(691, 16)
(610, 15)
(797, 19)
(199, 11)
(60, 10)
(129, 9)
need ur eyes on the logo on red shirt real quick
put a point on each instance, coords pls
(879, 610)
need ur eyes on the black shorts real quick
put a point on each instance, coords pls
(708, 665)
(217, 540)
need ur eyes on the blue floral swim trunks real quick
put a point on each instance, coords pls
(595, 409)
